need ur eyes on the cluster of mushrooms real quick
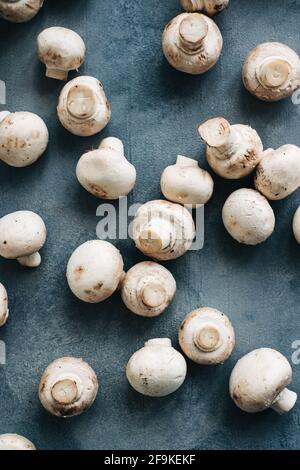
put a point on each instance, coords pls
(162, 229)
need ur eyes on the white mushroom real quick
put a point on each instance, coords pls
(68, 387)
(105, 172)
(187, 183)
(61, 50)
(259, 381)
(232, 151)
(3, 305)
(206, 336)
(157, 369)
(83, 108)
(192, 43)
(23, 138)
(20, 11)
(95, 271)
(296, 225)
(22, 235)
(15, 442)
(163, 230)
(248, 217)
(278, 174)
(209, 7)
(148, 289)
(272, 71)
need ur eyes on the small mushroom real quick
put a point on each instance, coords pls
(209, 7)
(156, 370)
(95, 271)
(61, 50)
(163, 230)
(259, 381)
(83, 108)
(15, 442)
(192, 43)
(206, 336)
(20, 11)
(248, 217)
(186, 183)
(278, 174)
(272, 71)
(105, 172)
(22, 235)
(148, 289)
(3, 305)
(68, 387)
(233, 152)
(23, 138)
(296, 225)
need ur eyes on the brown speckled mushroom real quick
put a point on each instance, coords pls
(272, 71)
(61, 50)
(15, 442)
(20, 11)
(3, 305)
(22, 235)
(83, 108)
(68, 387)
(209, 7)
(233, 151)
(192, 43)
(23, 138)
(206, 336)
(259, 381)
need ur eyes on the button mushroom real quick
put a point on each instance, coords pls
(259, 381)
(106, 173)
(163, 230)
(278, 174)
(68, 387)
(61, 50)
(206, 336)
(22, 235)
(296, 225)
(95, 271)
(233, 152)
(148, 289)
(83, 108)
(3, 305)
(20, 11)
(192, 43)
(157, 369)
(248, 217)
(272, 71)
(15, 442)
(23, 138)
(209, 7)
(187, 183)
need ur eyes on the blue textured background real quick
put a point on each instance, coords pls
(155, 110)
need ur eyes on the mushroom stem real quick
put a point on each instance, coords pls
(81, 102)
(284, 402)
(112, 143)
(65, 391)
(158, 342)
(208, 338)
(157, 236)
(273, 72)
(57, 74)
(219, 134)
(30, 261)
(192, 31)
(153, 294)
(183, 162)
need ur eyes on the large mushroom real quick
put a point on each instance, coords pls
(15, 442)
(20, 11)
(3, 305)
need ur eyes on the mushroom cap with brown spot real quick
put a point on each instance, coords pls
(15, 442)
(20, 11)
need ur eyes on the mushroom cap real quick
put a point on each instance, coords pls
(83, 108)
(248, 217)
(106, 173)
(192, 43)
(61, 48)
(173, 220)
(15, 442)
(258, 378)
(20, 11)
(210, 7)
(206, 336)
(187, 183)
(22, 233)
(68, 387)
(157, 369)
(272, 71)
(278, 174)
(23, 139)
(296, 225)
(148, 289)
(95, 271)
(3, 305)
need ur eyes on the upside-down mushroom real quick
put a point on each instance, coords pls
(3, 305)
(20, 11)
